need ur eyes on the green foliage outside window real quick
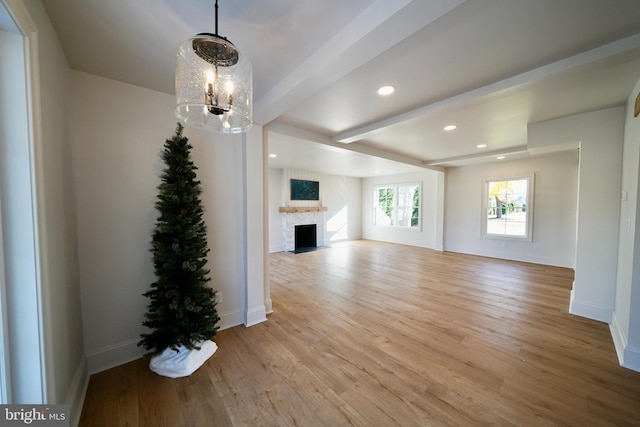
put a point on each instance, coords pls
(397, 205)
(385, 200)
(415, 213)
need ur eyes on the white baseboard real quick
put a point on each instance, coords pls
(114, 355)
(590, 311)
(268, 305)
(78, 391)
(628, 356)
(511, 256)
(229, 320)
(631, 358)
(127, 351)
(256, 315)
(619, 339)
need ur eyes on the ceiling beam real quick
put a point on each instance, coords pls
(520, 150)
(379, 27)
(618, 47)
(307, 135)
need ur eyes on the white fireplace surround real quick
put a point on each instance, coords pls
(291, 219)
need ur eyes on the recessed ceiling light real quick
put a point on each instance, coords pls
(386, 90)
(450, 127)
(273, 156)
(481, 145)
(500, 157)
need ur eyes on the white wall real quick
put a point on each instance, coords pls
(554, 213)
(430, 235)
(344, 209)
(117, 137)
(625, 325)
(340, 194)
(275, 200)
(600, 137)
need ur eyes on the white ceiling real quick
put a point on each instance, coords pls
(489, 66)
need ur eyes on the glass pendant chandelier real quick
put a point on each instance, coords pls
(214, 84)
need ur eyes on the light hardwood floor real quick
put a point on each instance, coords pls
(376, 334)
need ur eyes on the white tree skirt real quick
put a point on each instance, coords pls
(182, 363)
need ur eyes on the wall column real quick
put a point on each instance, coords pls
(254, 249)
(600, 137)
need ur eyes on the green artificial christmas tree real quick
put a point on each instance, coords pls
(182, 309)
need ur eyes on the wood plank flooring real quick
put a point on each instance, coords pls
(376, 334)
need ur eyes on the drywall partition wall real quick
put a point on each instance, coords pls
(116, 147)
(339, 194)
(625, 325)
(600, 138)
(220, 159)
(554, 210)
(275, 201)
(65, 362)
(430, 234)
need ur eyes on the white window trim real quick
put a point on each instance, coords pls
(530, 207)
(418, 228)
(28, 379)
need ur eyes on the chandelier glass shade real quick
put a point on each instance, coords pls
(214, 84)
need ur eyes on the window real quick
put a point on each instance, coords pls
(508, 207)
(397, 205)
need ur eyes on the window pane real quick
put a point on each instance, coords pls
(506, 207)
(384, 207)
(404, 217)
(415, 211)
(397, 206)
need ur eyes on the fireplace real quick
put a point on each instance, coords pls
(305, 238)
(293, 216)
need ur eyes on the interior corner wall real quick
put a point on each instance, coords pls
(554, 220)
(600, 137)
(117, 135)
(430, 234)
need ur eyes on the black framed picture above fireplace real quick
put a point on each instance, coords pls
(305, 190)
